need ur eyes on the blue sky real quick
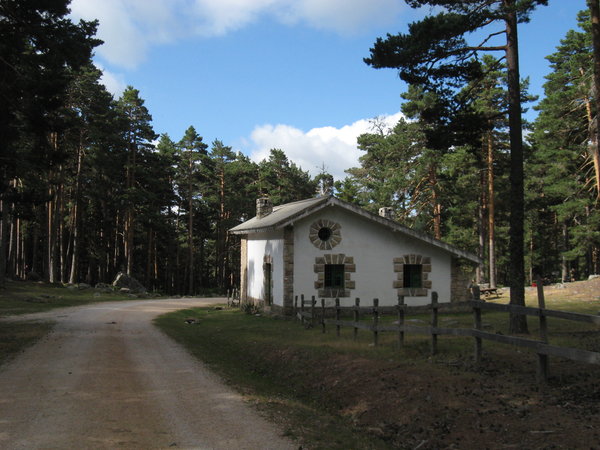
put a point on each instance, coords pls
(262, 74)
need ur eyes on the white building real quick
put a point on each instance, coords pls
(332, 249)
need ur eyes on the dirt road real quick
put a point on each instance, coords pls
(107, 378)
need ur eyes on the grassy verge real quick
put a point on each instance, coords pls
(22, 297)
(325, 390)
(273, 362)
(16, 336)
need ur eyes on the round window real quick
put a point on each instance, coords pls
(325, 233)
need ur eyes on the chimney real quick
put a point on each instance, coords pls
(264, 207)
(387, 212)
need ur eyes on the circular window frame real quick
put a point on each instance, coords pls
(325, 234)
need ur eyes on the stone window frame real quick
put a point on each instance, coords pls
(413, 259)
(334, 239)
(349, 269)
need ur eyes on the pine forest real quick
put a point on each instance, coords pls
(88, 187)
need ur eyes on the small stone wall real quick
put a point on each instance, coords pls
(288, 269)
(462, 273)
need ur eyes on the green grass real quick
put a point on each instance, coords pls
(277, 362)
(23, 297)
(16, 336)
(272, 361)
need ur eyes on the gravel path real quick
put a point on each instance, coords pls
(107, 378)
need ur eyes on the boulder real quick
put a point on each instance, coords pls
(123, 280)
(33, 276)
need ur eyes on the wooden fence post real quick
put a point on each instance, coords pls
(434, 321)
(477, 324)
(400, 321)
(302, 309)
(337, 317)
(356, 316)
(295, 306)
(313, 304)
(542, 359)
(375, 321)
(323, 315)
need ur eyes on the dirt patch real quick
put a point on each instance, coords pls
(440, 403)
(450, 404)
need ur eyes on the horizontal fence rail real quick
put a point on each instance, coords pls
(311, 314)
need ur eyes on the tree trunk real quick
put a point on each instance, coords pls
(482, 228)
(76, 214)
(190, 238)
(595, 17)
(490, 211)
(518, 323)
(565, 244)
(437, 206)
(3, 240)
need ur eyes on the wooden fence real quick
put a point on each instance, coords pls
(310, 313)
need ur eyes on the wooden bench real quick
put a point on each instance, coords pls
(488, 292)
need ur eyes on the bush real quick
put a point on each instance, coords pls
(251, 308)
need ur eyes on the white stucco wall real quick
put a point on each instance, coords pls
(373, 248)
(260, 245)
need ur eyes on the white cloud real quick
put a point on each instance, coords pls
(334, 147)
(114, 83)
(344, 16)
(129, 28)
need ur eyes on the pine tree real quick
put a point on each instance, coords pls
(435, 54)
(138, 136)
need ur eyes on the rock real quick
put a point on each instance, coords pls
(125, 290)
(125, 281)
(37, 300)
(33, 276)
(103, 287)
(82, 286)
(450, 322)
(97, 294)
(593, 277)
